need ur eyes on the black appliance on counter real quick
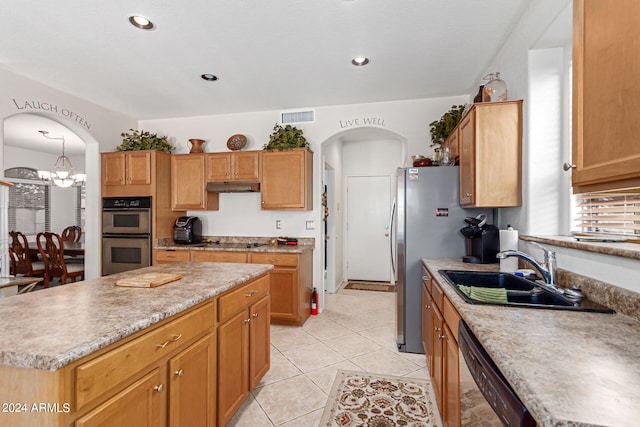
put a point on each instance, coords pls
(482, 240)
(187, 230)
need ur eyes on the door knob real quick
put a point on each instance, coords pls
(566, 166)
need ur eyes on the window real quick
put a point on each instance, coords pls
(28, 201)
(609, 212)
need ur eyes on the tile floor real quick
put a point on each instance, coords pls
(356, 331)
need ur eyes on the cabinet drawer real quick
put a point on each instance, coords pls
(437, 294)
(236, 300)
(426, 279)
(278, 259)
(218, 256)
(172, 256)
(451, 318)
(110, 369)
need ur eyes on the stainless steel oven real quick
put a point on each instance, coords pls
(486, 398)
(126, 233)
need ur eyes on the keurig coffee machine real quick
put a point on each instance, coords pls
(482, 240)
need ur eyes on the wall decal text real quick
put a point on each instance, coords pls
(53, 108)
(365, 121)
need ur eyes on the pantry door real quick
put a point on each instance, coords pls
(368, 233)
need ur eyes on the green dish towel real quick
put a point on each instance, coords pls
(494, 295)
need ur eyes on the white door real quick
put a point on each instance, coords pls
(368, 234)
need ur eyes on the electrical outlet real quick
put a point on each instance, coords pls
(311, 224)
(278, 224)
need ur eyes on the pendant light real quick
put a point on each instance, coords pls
(62, 174)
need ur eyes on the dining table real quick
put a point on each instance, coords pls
(9, 285)
(70, 249)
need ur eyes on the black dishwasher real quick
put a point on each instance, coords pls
(490, 382)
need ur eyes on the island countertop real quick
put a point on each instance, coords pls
(568, 368)
(51, 328)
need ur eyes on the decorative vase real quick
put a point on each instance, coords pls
(196, 145)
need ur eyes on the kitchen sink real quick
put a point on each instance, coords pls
(491, 287)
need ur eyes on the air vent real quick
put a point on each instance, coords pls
(297, 116)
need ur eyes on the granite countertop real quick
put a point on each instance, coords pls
(239, 244)
(51, 328)
(568, 368)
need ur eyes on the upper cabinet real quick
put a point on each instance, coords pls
(133, 173)
(236, 166)
(188, 184)
(606, 105)
(287, 179)
(490, 151)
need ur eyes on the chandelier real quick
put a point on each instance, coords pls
(62, 174)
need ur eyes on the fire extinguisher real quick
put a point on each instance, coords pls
(314, 302)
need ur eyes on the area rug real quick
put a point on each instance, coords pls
(370, 286)
(372, 400)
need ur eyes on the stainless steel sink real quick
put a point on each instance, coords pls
(520, 292)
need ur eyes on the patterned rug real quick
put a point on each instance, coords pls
(370, 286)
(371, 400)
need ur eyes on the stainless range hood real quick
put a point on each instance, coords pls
(233, 187)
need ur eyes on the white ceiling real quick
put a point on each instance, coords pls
(268, 55)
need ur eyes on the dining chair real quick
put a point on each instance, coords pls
(20, 259)
(69, 234)
(27, 288)
(51, 247)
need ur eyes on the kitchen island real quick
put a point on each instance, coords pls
(87, 352)
(568, 368)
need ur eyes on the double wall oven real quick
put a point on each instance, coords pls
(126, 233)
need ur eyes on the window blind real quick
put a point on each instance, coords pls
(616, 213)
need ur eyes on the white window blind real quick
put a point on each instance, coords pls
(616, 213)
(28, 210)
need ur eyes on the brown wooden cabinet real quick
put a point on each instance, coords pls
(243, 344)
(291, 285)
(188, 185)
(237, 166)
(606, 106)
(127, 168)
(490, 154)
(163, 256)
(287, 179)
(218, 256)
(440, 328)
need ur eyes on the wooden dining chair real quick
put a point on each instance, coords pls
(20, 259)
(69, 234)
(72, 233)
(51, 247)
(27, 288)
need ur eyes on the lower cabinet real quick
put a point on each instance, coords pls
(440, 341)
(164, 256)
(243, 345)
(218, 256)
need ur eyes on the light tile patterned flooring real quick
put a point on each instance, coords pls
(356, 332)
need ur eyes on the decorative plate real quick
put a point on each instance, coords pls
(236, 142)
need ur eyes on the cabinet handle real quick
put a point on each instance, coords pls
(179, 373)
(251, 293)
(169, 341)
(428, 307)
(566, 166)
(442, 337)
(437, 329)
(255, 314)
(159, 388)
(236, 173)
(247, 320)
(425, 278)
(468, 195)
(272, 260)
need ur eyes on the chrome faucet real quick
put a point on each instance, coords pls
(547, 270)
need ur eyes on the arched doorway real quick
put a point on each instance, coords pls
(21, 143)
(365, 154)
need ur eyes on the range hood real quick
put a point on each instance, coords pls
(233, 187)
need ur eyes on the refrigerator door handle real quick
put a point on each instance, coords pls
(390, 228)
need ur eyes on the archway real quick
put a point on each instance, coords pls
(73, 132)
(362, 151)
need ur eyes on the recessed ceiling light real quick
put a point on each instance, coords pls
(141, 22)
(359, 61)
(209, 77)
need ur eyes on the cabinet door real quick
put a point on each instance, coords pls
(259, 341)
(113, 169)
(286, 180)
(187, 182)
(168, 255)
(438, 326)
(284, 294)
(192, 385)
(138, 168)
(427, 327)
(218, 167)
(233, 365)
(466, 143)
(451, 383)
(142, 403)
(246, 166)
(605, 95)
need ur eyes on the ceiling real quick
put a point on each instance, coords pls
(267, 55)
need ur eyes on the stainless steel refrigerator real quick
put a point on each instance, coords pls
(428, 223)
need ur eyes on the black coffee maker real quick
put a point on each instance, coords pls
(482, 240)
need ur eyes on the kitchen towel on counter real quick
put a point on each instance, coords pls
(509, 240)
(491, 295)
